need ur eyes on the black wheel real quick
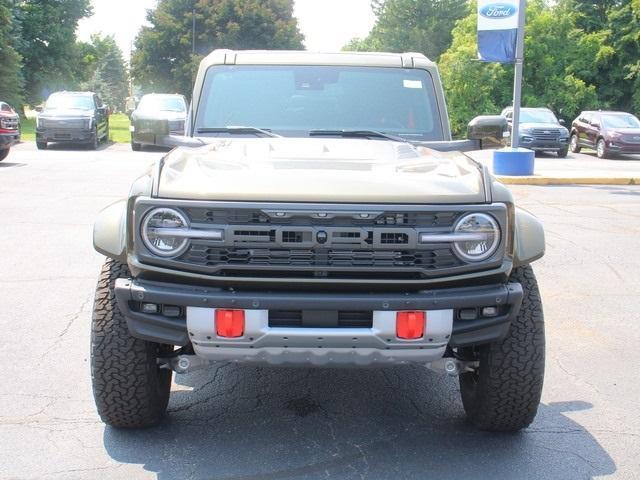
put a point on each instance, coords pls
(563, 152)
(41, 145)
(94, 143)
(129, 388)
(3, 153)
(136, 147)
(574, 144)
(503, 393)
(601, 149)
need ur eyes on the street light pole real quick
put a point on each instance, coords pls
(517, 80)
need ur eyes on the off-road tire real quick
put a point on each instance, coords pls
(574, 143)
(41, 145)
(4, 152)
(563, 152)
(503, 394)
(129, 388)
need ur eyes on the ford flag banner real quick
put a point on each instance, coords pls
(497, 30)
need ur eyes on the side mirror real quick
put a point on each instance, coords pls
(173, 141)
(39, 109)
(489, 130)
(562, 122)
(156, 131)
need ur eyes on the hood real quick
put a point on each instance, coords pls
(320, 170)
(549, 126)
(67, 113)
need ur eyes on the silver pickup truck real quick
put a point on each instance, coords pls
(317, 213)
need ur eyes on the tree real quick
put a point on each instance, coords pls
(412, 25)
(10, 75)
(166, 58)
(621, 85)
(110, 77)
(51, 58)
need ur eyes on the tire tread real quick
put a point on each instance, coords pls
(506, 395)
(129, 389)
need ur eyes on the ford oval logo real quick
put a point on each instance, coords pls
(498, 11)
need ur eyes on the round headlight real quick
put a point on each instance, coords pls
(482, 240)
(157, 228)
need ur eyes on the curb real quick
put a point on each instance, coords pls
(542, 180)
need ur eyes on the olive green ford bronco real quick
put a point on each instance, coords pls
(317, 213)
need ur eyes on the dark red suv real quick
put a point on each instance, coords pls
(9, 129)
(609, 133)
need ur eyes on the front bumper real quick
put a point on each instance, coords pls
(623, 147)
(7, 140)
(538, 145)
(64, 135)
(317, 346)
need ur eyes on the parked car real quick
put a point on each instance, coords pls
(609, 133)
(73, 117)
(154, 108)
(9, 129)
(303, 222)
(540, 130)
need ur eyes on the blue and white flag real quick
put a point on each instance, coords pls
(497, 30)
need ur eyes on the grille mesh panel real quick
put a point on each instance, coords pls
(208, 256)
(256, 217)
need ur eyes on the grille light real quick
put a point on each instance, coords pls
(478, 249)
(161, 232)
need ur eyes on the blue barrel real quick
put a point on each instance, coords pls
(513, 161)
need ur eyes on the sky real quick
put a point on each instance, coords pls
(326, 24)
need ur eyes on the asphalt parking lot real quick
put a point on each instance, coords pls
(237, 422)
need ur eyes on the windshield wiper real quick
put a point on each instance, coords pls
(357, 134)
(238, 130)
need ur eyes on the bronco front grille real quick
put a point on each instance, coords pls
(316, 242)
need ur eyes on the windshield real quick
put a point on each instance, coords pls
(537, 116)
(294, 100)
(169, 103)
(625, 120)
(70, 102)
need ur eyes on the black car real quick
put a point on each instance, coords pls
(540, 130)
(154, 109)
(73, 117)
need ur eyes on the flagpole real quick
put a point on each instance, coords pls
(517, 80)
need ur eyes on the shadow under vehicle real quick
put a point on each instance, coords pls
(318, 213)
(79, 118)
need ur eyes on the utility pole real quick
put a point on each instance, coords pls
(517, 80)
(193, 30)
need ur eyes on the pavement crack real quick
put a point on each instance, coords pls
(66, 328)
